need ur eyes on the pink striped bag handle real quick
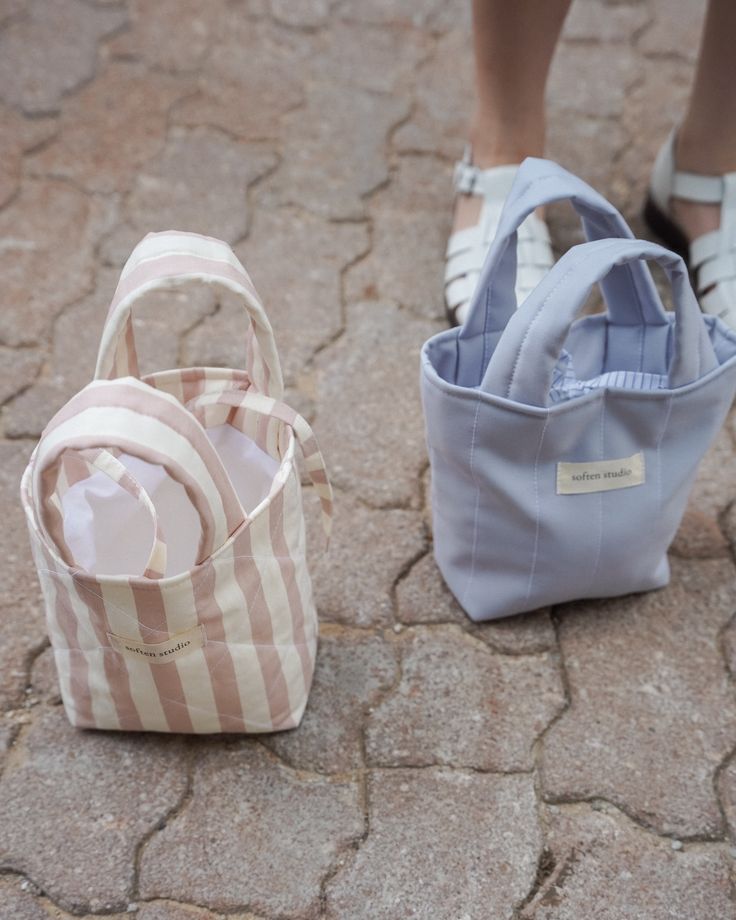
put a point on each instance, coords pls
(77, 465)
(265, 405)
(161, 260)
(152, 425)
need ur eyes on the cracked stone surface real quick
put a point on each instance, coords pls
(359, 377)
(459, 703)
(423, 598)
(90, 799)
(369, 550)
(353, 671)
(468, 842)
(569, 764)
(250, 821)
(132, 105)
(17, 903)
(648, 697)
(606, 867)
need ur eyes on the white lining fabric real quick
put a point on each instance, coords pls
(109, 533)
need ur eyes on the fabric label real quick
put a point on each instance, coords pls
(159, 652)
(600, 475)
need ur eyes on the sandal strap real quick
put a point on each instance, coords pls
(696, 187)
(488, 183)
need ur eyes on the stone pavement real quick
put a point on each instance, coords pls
(575, 764)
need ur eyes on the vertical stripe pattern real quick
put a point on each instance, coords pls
(229, 645)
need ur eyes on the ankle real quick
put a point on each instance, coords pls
(714, 158)
(497, 145)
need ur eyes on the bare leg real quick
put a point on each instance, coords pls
(706, 141)
(514, 41)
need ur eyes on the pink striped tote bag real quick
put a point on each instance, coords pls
(167, 525)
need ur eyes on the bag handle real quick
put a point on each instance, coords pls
(271, 408)
(629, 292)
(74, 466)
(522, 364)
(172, 257)
(152, 426)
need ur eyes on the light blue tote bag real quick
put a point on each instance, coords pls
(562, 449)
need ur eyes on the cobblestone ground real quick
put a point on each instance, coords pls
(575, 764)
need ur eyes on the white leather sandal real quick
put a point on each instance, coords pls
(467, 248)
(712, 256)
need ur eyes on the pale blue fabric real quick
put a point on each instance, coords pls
(514, 392)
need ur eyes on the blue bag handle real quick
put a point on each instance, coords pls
(629, 292)
(522, 364)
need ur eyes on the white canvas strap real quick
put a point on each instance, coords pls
(271, 408)
(76, 466)
(127, 415)
(161, 260)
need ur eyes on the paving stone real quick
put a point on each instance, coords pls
(368, 551)
(38, 62)
(249, 82)
(460, 704)
(308, 14)
(699, 536)
(44, 682)
(8, 732)
(18, 904)
(422, 597)
(649, 697)
(302, 293)
(167, 910)
(608, 868)
(174, 191)
(727, 778)
(18, 369)
(264, 822)
(603, 140)
(443, 98)
(333, 154)
(715, 485)
(18, 135)
(48, 235)
(169, 35)
(22, 625)
(377, 59)
(602, 91)
(390, 12)
(405, 263)
(675, 28)
(110, 129)
(10, 9)
(441, 844)
(88, 798)
(370, 418)
(353, 670)
(601, 22)
(647, 125)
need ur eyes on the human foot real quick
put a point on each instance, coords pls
(481, 192)
(695, 215)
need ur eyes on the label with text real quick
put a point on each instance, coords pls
(159, 652)
(600, 475)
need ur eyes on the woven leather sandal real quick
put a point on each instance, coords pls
(467, 248)
(712, 256)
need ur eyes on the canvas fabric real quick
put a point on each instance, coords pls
(563, 450)
(167, 525)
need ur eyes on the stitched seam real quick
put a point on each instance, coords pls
(537, 510)
(601, 435)
(477, 504)
(658, 464)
